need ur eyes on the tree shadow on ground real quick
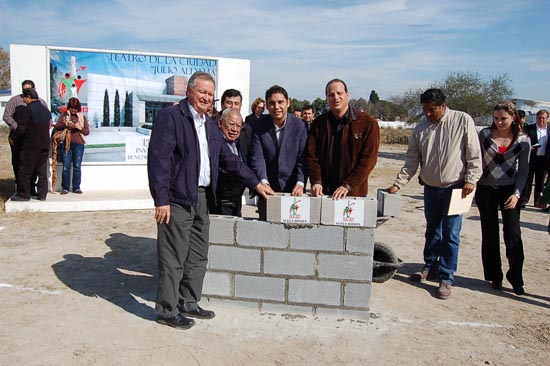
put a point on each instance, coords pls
(474, 284)
(122, 276)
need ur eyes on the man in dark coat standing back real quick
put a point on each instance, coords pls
(33, 126)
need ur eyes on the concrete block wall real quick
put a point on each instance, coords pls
(300, 269)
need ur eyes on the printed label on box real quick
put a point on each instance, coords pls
(295, 210)
(349, 212)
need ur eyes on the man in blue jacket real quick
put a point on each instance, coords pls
(279, 147)
(185, 151)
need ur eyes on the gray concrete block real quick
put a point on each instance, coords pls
(314, 292)
(357, 295)
(222, 229)
(342, 313)
(332, 211)
(360, 240)
(262, 288)
(275, 211)
(289, 263)
(232, 304)
(218, 283)
(317, 238)
(234, 259)
(256, 233)
(389, 204)
(284, 309)
(345, 267)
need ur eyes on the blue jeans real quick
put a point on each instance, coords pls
(72, 158)
(442, 232)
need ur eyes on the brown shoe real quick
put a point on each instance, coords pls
(78, 191)
(444, 291)
(64, 192)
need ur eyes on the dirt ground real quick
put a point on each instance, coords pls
(78, 289)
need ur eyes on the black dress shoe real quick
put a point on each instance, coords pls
(497, 285)
(19, 198)
(178, 322)
(200, 313)
(518, 290)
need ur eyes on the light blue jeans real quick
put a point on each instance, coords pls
(72, 158)
(442, 232)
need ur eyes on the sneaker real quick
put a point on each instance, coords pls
(444, 291)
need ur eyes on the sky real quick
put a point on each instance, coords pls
(389, 46)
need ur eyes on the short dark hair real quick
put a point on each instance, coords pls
(28, 82)
(336, 81)
(309, 106)
(31, 93)
(433, 95)
(521, 113)
(229, 93)
(74, 103)
(276, 89)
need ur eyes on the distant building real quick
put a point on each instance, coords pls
(531, 107)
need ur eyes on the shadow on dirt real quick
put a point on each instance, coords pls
(125, 276)
(474, 284)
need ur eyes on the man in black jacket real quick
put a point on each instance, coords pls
(539, 162)
(229, 191)
(33, 125)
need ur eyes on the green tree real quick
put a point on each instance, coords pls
(4, 70)
(464, 91)
(296, 104)
(117, 110)
(55, 102)
(373, 98)
(319, 105)
(360, 104)
(127, 111)
(106, 115)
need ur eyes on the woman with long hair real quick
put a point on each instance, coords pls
(72, 147)
(505, 152)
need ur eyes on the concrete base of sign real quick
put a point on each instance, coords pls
(88, 201)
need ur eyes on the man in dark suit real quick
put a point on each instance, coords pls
(185, 151)
(279, 147)
(229, 191)
(33, 127)
(539, 162)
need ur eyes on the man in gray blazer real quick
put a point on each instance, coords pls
(279, 147)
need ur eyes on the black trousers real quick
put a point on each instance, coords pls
(182, 249)
(489, 201)
(537, 170)
(33, 164)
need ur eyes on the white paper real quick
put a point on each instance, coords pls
(458, 204)
(295, 210)
(349, 212)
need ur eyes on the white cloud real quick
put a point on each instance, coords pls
(386, 45)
